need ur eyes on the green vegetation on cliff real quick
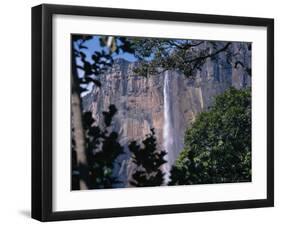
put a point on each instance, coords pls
(218, 145)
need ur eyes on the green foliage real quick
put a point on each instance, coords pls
(148, 161)
(102, 148)
(100, 60)
(218, 145)
(186, 56)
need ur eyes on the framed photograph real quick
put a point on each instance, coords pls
(146, 112)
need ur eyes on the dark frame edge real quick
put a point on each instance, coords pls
(155, 15)
(152, 210)
(41, 202)
(270, 111)
(36, 161)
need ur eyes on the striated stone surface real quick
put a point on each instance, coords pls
(140, 100)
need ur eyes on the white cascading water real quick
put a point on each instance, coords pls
(167, 131)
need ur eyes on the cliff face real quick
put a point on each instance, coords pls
(140, 101)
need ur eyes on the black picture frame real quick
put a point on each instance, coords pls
(42, 111)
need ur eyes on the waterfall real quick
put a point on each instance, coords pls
(167, 131)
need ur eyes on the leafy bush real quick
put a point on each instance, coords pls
(148, 161)
(218, 145)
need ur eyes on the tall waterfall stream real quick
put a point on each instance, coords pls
(168, 139)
